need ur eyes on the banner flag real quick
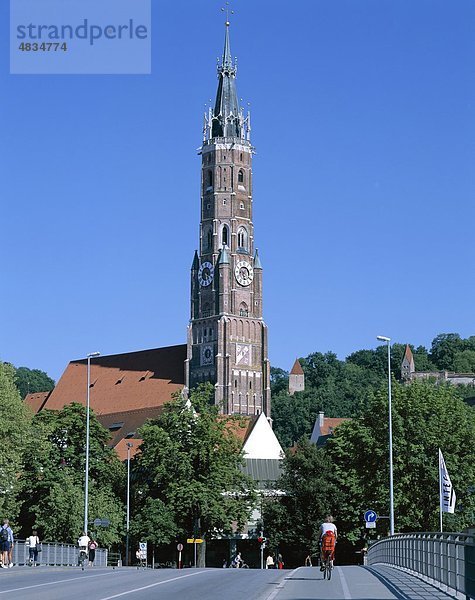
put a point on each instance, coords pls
(447, 492)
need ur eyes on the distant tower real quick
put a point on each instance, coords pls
(407, 367)
(227, 336)
(296, 378)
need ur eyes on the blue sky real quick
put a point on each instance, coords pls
(363, 120)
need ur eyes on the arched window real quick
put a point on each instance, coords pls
(225, 236)
(241, 206)
(243, 310)
(241, 176)
(210, 178)
(242, 238)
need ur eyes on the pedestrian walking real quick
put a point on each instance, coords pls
(92, 552)
(270, 562)
(308, 560)
(33, 543)
(280, 562)
(6, 544)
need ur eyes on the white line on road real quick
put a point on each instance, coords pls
(344, 584)
(281, 585)
(29, 587)
(146, 587)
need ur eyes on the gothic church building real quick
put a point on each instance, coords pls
(227, 336)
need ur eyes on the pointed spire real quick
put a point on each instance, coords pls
(257, 261)
(228, 120)
(196, 262)
(227, 58)
(223, 256)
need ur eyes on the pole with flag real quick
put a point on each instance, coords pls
(446, 490)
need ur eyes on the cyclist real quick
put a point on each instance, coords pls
(327, 538)
(83, 543)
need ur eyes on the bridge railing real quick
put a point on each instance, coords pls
(446, 560)
(55, 554)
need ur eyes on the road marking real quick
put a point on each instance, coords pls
(29, 587)
(280, 587)
(344, 584)
(146, 587)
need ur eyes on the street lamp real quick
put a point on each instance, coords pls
(86, 487)
(129, 446)
(383, 338)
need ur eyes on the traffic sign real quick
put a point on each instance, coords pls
(370, 524)
(179, 547)
(370, 516)
(101, 522)
(194, 541)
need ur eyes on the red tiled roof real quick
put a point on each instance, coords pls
(122, 382)
(121, 448)
(127, 423)
(297, 368)
(408, 353)
(242, 427)
(329, 425)
(36, 400)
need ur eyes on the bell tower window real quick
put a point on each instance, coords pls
(210, 179)
(225, 236)
(242, 238)
(241, 176)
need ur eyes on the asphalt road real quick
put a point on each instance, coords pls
(348, 583)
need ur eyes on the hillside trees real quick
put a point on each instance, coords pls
(188, 476)
(29, 381)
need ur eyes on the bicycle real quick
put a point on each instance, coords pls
(82, 558)
(327, 565)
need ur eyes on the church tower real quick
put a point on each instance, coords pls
(227, 337)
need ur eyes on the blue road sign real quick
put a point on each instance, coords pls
(370, 516)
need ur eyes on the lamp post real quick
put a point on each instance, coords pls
(383, 338)
(86, 486)
(129, 446)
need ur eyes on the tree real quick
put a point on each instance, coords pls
(15, 419)
(444, 350)
(310, 492)
(279, 380)
(188, 474)
(425, 417)
(29, 381)
(53, 477)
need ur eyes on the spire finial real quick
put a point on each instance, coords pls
(228, 12)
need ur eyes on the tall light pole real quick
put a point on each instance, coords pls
(86, 486)
(383, 338)
(129, 446)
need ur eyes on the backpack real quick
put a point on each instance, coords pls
(4, 534)
(328, 541)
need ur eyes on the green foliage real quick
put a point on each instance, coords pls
(311, 492)
(29, 381)
(15, 419)
(188, 476)
(279, 380)
(338, 388)
(53, 477)
(425, 417)
(449, 351)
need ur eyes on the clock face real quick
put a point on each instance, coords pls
(243, 354)
(244, 272)
(205, 273)
(207, 355)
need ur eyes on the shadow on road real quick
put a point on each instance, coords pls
(405, 586)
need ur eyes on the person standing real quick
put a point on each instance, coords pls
(92, 552)
(6, 544)
(270, 562)
(33, 543)
(280, 562)
(308, 560)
